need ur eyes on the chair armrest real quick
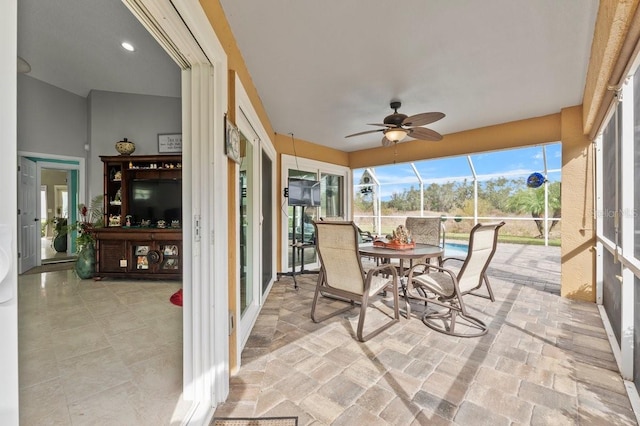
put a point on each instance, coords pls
(379, 285)
(430, 266)
(452, 258)
(384, 267)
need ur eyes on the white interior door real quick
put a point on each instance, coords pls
(28, 221)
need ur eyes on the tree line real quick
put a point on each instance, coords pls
(496, 197)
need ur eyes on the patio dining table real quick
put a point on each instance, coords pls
(420, 251)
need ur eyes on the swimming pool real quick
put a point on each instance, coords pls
(455, 250)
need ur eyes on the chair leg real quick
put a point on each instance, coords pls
(489, 290)
(454, 313)
(316, 296)
(363, 310)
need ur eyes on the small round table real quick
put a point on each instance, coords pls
(420, 251)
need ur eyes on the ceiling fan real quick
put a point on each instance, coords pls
(397, 126)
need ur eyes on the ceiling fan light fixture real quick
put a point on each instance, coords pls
(395, 135)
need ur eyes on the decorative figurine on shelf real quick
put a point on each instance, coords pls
(401, 235)
(128, 220)
(145, 223)
(114, 220)
(117, 176)
(161, 224)
(175, 223)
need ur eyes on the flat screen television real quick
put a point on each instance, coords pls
(154, 200)
(304, 192)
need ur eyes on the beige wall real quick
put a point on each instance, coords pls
(577, 200)
(615, 18)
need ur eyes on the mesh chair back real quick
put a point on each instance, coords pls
(425, 230)
(337, 246)
(483, 242)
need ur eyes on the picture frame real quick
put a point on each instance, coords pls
(169, 142)
(232, 141)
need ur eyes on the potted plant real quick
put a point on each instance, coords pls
(90, 218)
(60, 231)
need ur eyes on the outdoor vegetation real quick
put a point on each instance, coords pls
(454, 201)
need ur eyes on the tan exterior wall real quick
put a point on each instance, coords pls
(577, 200)
(615, 17)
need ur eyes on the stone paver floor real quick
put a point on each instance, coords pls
(545, 361)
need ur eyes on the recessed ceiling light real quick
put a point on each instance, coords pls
(128, 46)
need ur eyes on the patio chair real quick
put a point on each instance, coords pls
(444, 287)
(426, 230)
(342, 277)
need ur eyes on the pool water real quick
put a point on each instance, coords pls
(455, 250)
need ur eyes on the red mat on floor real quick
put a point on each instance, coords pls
(176, 298)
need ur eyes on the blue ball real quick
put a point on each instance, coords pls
(535, 180)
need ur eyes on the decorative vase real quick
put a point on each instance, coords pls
(86, 263)
(60, 243)
(125, 147)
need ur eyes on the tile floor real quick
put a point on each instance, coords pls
(98, 352)
(110, 353)
(545, 361)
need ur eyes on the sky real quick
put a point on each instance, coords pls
(512, 164)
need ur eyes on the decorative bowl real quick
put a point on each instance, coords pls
(125, 147)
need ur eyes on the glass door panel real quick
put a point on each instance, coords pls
(267, 220)
(332, 196)
(246, 225)
(300, 227)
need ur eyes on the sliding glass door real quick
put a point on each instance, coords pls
(334, 185)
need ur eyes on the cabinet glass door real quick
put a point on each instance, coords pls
(170, 257)
(141, 253)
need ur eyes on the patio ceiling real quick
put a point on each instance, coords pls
(325, 69)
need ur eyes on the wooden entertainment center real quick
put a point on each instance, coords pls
(142, 236)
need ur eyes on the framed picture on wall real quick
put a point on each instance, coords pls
(169, 142)
(232, 141)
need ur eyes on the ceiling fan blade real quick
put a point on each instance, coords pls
(379, 124)
(386, 142)
(422, 119)
(364, 133)
(424, 134)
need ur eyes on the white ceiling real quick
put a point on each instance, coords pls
(324, 69)
(75, 45)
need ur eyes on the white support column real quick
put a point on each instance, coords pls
(546, 198)
(475, 190)
(599, 205)
(626, 221)
(413, 166)
(376, 202)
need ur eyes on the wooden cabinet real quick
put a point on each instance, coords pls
(139, 253)
(129, 176)
(142, 236)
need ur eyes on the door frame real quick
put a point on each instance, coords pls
(183, 29)
(58, 162)
(249, 123)
(291, 162)
(9, 387)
